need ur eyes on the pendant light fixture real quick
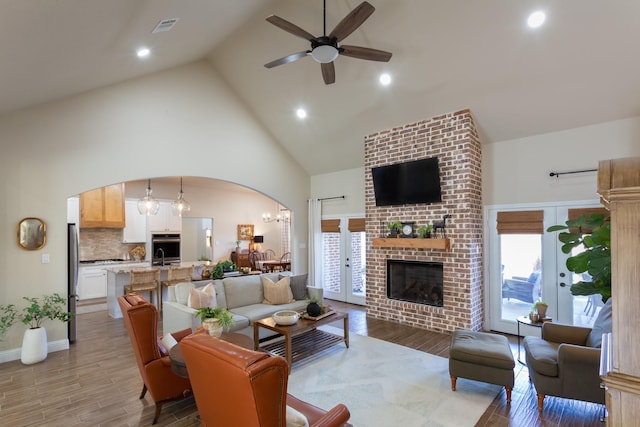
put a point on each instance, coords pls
(180, 207)
(148, 205)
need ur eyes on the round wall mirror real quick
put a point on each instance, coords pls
(32, 233)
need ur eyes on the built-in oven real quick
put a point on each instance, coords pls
(165, 248)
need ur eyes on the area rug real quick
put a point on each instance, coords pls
(385, 384)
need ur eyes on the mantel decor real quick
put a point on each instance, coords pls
(443, 244)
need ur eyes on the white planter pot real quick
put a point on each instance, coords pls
(34, 346)
(214, 328)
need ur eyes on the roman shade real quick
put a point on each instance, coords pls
(520, 222)
(330, 225)
(576, 213)
(356, 225)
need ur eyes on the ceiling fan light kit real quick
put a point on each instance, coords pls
(325, 49)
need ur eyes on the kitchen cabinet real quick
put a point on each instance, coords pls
(165, 220)
(92, 283)
(103, 207)
(135, 230)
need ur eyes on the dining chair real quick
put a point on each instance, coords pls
(269, 254)
(145, 280)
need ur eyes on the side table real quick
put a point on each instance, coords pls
(524, 320)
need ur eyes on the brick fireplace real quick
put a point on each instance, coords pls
(452, 138)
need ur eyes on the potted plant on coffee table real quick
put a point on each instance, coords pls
(34, 342)
(215, 319)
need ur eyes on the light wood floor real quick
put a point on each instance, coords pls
(97, 383)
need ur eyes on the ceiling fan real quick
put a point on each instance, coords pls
(326, 48)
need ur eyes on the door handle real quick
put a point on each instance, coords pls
(562, 284)
(346, 265)
(562, 274)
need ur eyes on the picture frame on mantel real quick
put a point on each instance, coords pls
(245, 231)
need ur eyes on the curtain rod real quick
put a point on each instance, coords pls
(331, 198)
(557, 174)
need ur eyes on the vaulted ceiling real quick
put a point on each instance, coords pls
(581, 67)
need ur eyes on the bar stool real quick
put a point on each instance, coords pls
(176, 275)
(144, 280)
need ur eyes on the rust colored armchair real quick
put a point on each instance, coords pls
(141, 320)
(226, 377)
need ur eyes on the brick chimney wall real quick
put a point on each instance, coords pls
(452, 138)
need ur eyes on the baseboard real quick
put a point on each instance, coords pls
(15, 353)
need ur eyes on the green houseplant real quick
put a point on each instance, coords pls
(8, 316)
(540, 307)
(425, 231)
(222, 267)
(595, 260)
(394, 228)
(214, 319)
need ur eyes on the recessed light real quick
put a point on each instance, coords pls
(143, 52)
(301, 113)
(385, 79)
(536, 19)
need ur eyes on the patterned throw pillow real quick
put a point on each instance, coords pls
(276, 293)
(298, 286)
(205, 297)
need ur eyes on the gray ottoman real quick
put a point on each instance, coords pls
(482, 357)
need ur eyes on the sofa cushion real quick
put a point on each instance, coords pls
(243, 290)
(277, 293)
(542, 355)
(602, 325)
(205, 297)
(260, 311)
(298, 286)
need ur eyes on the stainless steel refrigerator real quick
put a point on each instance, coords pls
(72, 279)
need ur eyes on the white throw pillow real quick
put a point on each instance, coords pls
(182, 292)
(277, 293)
(206, 297)
(295, 418)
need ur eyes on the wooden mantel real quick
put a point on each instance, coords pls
(416, 243)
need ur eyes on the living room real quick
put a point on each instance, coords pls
(128, 131)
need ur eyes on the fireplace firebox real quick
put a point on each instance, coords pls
(415, 281)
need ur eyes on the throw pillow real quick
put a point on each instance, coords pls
(277, 293)
(602, 325)
(205, 297)
(181, 291)
(295, 418)
(298, 286)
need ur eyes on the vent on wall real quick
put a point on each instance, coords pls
(165, 25)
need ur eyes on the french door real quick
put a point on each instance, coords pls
(344, 254)
(527, 266)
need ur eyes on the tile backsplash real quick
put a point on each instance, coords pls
(103, 243)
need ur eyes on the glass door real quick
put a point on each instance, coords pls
(343, 270)
(527, 266)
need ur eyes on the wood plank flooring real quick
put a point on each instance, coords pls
(97, 383)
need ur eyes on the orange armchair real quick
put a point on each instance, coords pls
(226, 377)
(141, 320)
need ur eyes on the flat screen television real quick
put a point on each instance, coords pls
(407, 183)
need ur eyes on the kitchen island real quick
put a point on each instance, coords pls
(118, 277)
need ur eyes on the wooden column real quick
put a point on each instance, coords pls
(619, 189)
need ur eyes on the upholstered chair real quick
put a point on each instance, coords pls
(226, 377)
(565, 362)
(141, 320)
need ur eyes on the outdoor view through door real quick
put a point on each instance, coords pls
(344, 255)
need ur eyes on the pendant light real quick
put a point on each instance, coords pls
(148, 205)
(181, 206)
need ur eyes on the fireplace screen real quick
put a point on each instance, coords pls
(415, 281)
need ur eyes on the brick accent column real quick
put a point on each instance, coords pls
(452, 138)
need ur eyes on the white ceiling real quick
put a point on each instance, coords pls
(580, 68)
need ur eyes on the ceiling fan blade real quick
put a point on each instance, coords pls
(328, 73)
(290, 28)
(352, 21)
(287, 59)
(365, 53)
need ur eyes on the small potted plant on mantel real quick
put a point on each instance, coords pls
(424, 232)
(394, 228)
(215, 319)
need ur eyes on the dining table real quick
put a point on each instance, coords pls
(272, 265)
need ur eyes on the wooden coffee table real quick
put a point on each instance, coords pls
(302, 339)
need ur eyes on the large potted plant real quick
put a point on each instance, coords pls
(215, 319)
(34, 341)
(595, 260)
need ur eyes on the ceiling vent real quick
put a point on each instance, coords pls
(165, 25)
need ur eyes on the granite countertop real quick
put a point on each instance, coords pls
(127, 267)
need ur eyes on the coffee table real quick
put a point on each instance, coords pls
(302, 339)
(177, 359)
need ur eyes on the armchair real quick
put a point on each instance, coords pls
(525, 289)
(141, 320)
(565, 362)
(225, 377)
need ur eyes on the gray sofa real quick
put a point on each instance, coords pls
(243, 296)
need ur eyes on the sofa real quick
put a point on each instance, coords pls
(243, 296)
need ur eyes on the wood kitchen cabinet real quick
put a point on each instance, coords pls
(103, 207)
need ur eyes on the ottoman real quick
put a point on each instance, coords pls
(482, 357)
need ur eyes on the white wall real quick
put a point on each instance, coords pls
(181, 122)
(348, 183)
(517, 171)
